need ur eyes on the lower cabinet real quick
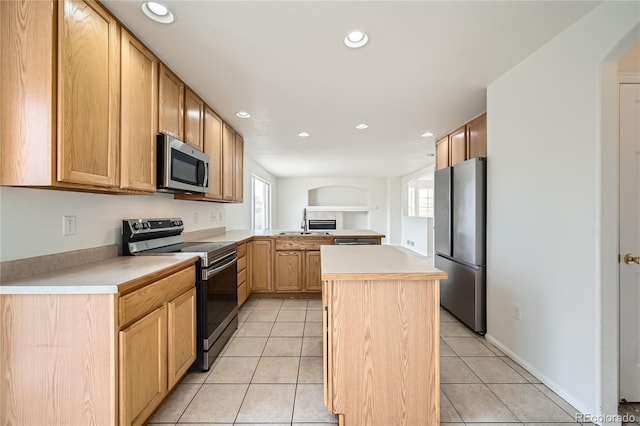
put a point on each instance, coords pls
(181, 336)
(143, 367)
(259, 260)
(157, 349)
(288, 270)
(243, 287)
(96, 359)
(312, 278)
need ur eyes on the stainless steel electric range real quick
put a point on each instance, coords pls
(216, 278)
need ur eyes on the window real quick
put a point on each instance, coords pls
(420, 198)
(261, 189)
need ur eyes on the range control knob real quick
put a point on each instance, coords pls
(135, 226)
(180, 222)
(145, 225)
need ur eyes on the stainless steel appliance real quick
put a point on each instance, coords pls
(357, 241)
(460, 240)
(180, 167)
(216, 278)
(315, 224)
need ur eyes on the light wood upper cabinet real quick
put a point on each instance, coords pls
(238, 170)
(213, 146)
(171, 104)
(469, 141)
(458, 146)
(477, 137)
(88, 94)
(181, 332)
(228, 162)
(27, 85)
(442, 153)
(139, 116)
(193, 119)
(260, 261)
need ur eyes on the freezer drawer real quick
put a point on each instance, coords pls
(463, 293)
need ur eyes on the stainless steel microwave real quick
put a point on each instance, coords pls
(180, 167)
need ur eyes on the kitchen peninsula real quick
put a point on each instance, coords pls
(381, 320)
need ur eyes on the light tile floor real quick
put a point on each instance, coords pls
(271, 373)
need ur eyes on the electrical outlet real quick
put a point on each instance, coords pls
(214, 216)
(516, 311)
(220, 217)
(68, 225)
(195, 218)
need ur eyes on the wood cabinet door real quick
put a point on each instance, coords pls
(228, 162)
(259, 265)
(181, 335)
(288, 270)
(193, 119)
(312, 277)
(139, 116)
(458, 146)
(213, 146)
(143, 367)
(238, 170)
(477, 137)
(88, 94)
(27, 73)
(442, 153)
(170, 104)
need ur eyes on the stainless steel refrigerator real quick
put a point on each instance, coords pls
(460, 240)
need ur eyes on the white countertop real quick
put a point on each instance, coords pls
(240, 235)
(375, 263)
(103, 277)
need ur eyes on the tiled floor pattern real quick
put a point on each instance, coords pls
(271, 373)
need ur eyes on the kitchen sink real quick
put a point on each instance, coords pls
(305, 233)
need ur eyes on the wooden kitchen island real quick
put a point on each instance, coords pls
(381, 334)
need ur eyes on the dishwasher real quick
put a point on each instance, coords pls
(355, 241)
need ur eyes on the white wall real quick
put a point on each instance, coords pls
(238, 216)
(419, 231)
(31, 219)
(544, 244)
(293, 197)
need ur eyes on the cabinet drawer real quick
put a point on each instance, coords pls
(242, 250)
(136, 304)
(302, 244)
(242, 294)
(242, 263)
(242, 277)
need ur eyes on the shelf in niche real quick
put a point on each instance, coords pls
(341, 208)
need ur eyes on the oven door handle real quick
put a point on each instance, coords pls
(210, 272)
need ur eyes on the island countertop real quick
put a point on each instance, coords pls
(375, 263)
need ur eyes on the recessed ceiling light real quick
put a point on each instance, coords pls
(243, 114)
(304, 134)
(157, 12)
(426, 134)
(355, 39)
(362, 126)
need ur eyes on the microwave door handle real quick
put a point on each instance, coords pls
(201, 172)
(211, 272)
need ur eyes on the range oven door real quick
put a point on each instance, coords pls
(217, 308)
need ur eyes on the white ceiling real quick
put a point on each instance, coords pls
(426, 67)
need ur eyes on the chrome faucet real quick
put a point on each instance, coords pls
(304, 226)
